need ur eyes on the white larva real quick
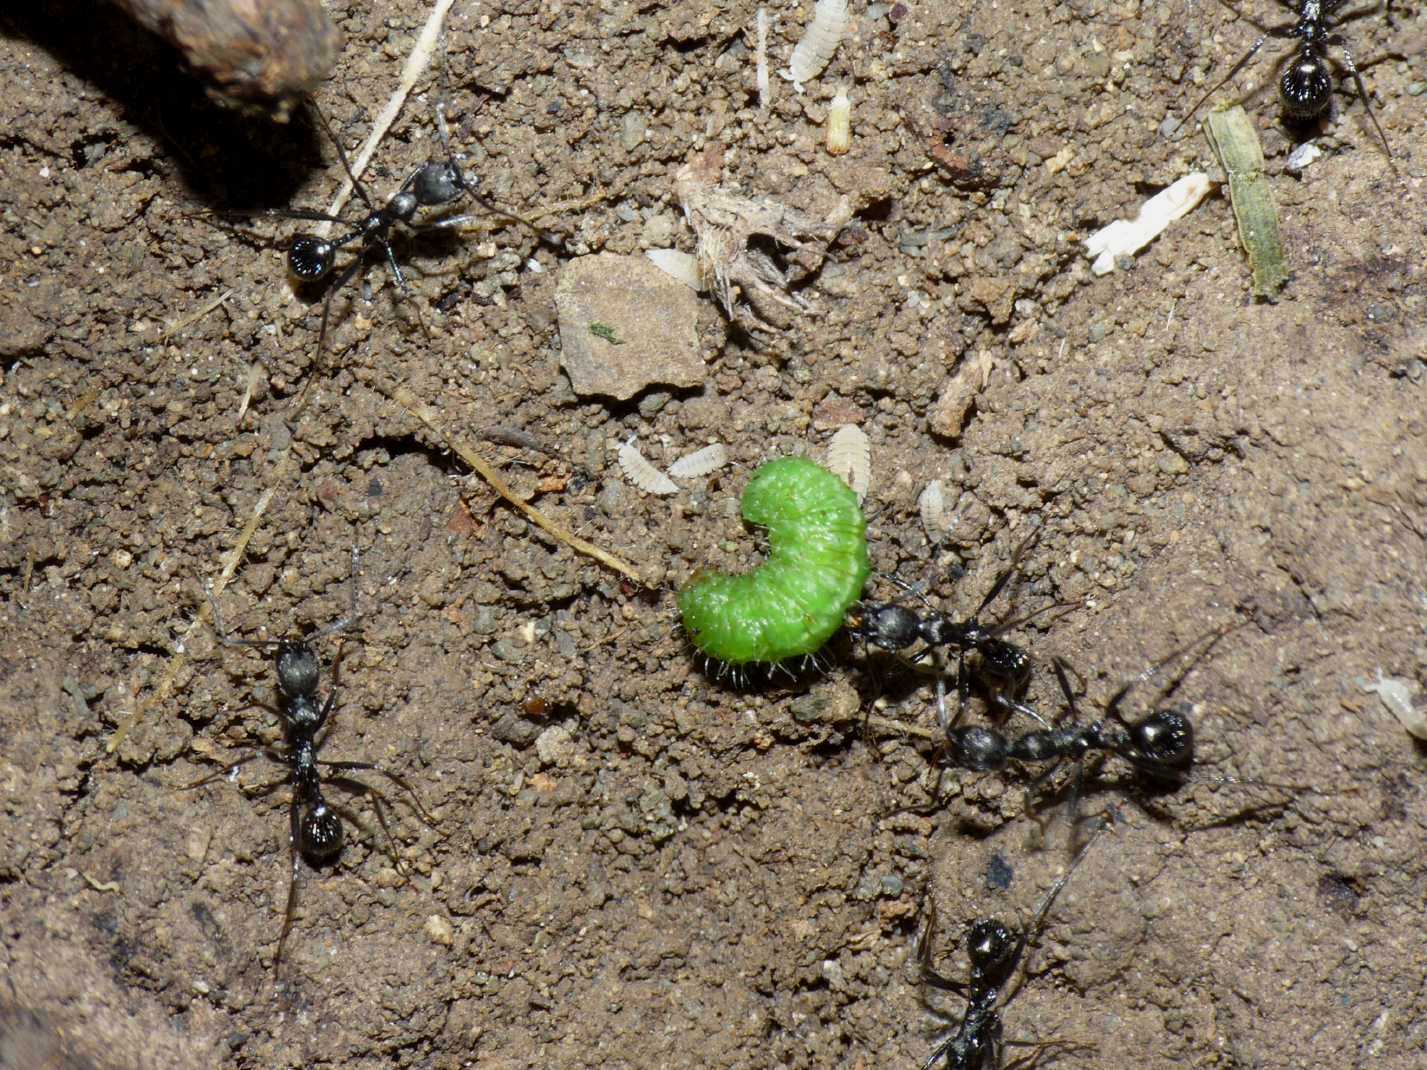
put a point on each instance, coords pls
(820, 40)
(700, 462)
(643, 474)
(849, 455)
(839, 124)
(932, 505)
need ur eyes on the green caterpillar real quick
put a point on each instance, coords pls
(817, 563)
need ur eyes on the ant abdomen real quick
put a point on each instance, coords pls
(981, 750)
(310, 258)
(1164, 740)
(1306, 88)
(321, 833)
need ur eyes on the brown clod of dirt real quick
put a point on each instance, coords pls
(252, 50)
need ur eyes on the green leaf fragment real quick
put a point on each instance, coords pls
(1237, 144)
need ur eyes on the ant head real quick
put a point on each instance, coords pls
(439, 183)
(1306, 87)
(1004, 661)
(297, 669)
(981, 750)
(884, 625)
(1163, 741)
(990, 945)
(321, 832)
(310, 258)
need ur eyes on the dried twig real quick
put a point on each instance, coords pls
(180, 655)
(416, 65)
(463, 449)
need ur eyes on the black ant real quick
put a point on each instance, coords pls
(975, 1042)
(1306, 85)
(1159, 746)
(312, 259)
(1003, 666)
(315, 831)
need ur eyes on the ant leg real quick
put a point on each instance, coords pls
(223, 636)
(341, 155)
(941, 718)
(1290, 5)
(1336, 39)
(1030, 1062)
(1028, 802)
(224, 770)
(1038, 923)
(307, 214)
(1112, 708)
(404, 291)
(345, 277)
(924, 954)
(290, 911)
(458, 221)
(352, 617)
(379, 804)
(399, 781)
(1235, 69)
(963, 691)
(1010, 570)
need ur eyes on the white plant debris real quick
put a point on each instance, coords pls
(765, 89)
(1396, 694)
(814, 51)
(1299, 159)
(643, 474)
(700, 462)
(849, 455)
(725, 221)
(679, 265)
(932, 505)
(416, 64)
(1125, 237)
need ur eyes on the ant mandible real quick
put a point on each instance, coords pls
(976, 1041)
(315, 825)
(1305, 87)
(1003, 665)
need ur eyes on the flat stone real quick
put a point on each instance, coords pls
(625, 325)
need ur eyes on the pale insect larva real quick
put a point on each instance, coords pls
(839, 124)
(819, 41)
(932, 505)
(643, 474)
(849, 455)
(700, 462)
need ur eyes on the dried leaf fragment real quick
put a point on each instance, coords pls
(725, 222)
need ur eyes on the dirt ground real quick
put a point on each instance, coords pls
(635, 865)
